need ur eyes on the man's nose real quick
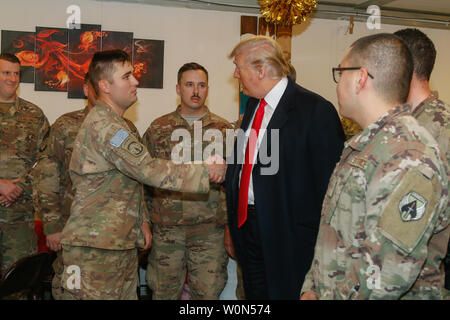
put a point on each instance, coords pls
(134, 81)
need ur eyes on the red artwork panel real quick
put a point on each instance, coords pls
(22, 45)
(118, 40)
(149, 63)
(83, 43)
(52, 55)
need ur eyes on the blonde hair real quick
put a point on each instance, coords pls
(263, 52)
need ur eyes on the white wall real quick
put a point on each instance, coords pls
(319, 45)
(205, 37)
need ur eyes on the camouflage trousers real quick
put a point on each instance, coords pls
(200, 248)
(17, 240)
(240, 293)
(445, 294)
(99, 274)
(58, 267)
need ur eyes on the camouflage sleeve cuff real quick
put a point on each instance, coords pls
(25, 184)
(146, 215)
(54, 227)
(308, 284)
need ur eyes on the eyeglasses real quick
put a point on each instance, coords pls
(337, 73)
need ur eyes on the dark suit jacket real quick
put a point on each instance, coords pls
(289, 203)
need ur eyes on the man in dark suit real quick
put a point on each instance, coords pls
(274, 197)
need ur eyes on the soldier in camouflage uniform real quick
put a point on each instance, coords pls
(23, 128)
(52, 190)
(384, 225)
(187, 229)
(431, 112)
(108, 218)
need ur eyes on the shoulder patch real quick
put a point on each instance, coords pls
(412, 207)
(133, 147)
(410, 210)
(119, 138)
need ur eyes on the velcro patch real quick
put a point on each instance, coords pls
(119, 138)
(403, 221)
(358, 162)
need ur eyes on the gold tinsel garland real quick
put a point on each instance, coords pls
(286, 12)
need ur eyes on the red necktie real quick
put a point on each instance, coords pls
(248, 163)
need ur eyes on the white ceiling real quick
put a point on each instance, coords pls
(425, 13)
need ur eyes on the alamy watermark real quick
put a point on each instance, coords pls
(374, 20)
(74, 280)
(374, 280)
(74, 20)
(267, 156)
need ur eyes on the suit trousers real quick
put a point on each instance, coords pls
(253, 268)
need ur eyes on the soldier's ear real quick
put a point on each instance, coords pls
(178, 89)
(104, 86)
(362, 77)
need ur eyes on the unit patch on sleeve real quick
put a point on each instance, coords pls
(134, 147)
(412, 207)
(409, 210)
(119, 138)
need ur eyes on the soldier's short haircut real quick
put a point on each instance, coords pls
(263, 52)
(103, 66)
(422, 50)
(387, 58)
(9, 57)
(191, 66)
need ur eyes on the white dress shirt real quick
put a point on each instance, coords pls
(272, 98)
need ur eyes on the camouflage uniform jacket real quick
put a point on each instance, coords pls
(434, 115)
(384, 225)
(24, 127)
(176, 208)
(52, 191)
(107, 168)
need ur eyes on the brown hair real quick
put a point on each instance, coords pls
(9, 57)
(191, 66)
(389, 60)
(422, 50)
(102, 66)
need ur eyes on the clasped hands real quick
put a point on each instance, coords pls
(9, 191)
(217, 168)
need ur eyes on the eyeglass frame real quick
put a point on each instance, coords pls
(344, 69)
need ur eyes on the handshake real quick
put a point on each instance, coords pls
(217, 168)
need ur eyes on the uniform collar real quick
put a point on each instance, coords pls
(16, 107)
(85, 110)
(361, 140)
(420, 107)
(178, 119)
(103, 105)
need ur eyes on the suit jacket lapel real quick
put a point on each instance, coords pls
(286, 103)
(278, 120)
